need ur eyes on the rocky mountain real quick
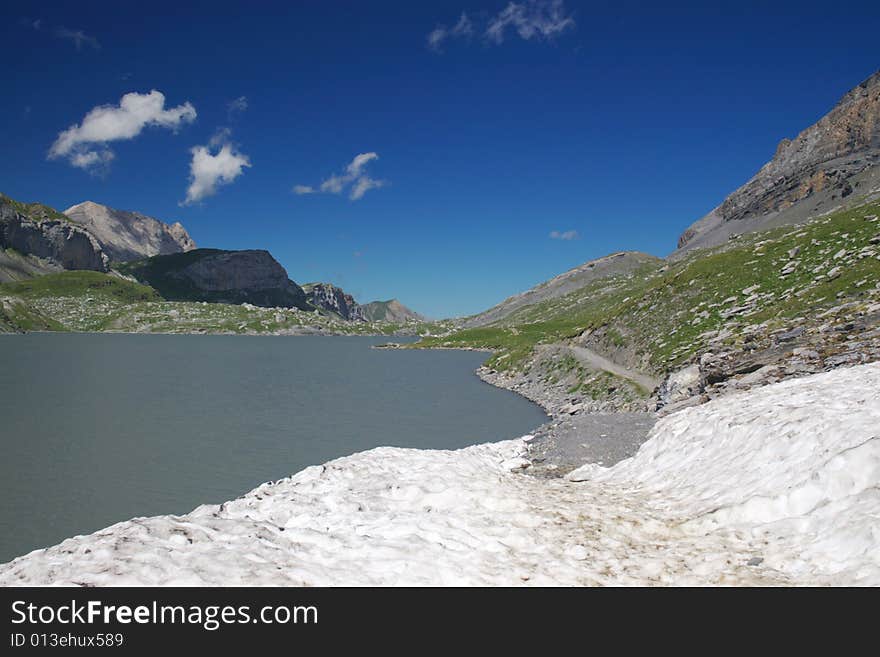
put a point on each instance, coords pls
(611, 265)
(215, 275)
(833, 164)
(334, 299)
(390, 311)
(35, 240)
(128, 235)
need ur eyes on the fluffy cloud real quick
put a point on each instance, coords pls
(218, 163)
(354, 179)
(85, 144)
(462, 29)
(530, 19)
(567, 235)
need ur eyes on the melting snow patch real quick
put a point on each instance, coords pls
(778, 485)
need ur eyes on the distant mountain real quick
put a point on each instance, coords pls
(334, 299)
(390, 311)
(215, 275)
(611, 265)
(128, 235)
(36, 239)
(832, 164)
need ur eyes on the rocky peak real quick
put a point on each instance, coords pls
(390, 311)
(334, 299)
(126, 235)
(812, 173)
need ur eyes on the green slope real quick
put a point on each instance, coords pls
(663, 314)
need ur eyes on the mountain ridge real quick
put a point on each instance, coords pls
(390, 311)
(219, 276)
(620, 262)
(828, 166)
(127, 235)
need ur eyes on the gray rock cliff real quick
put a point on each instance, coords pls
(215, 275)
(334, 299)
(128, 235)
(40, 232)
(830, 165)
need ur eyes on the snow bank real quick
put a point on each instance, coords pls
(779, 485)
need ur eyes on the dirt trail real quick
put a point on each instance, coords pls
(596, 361)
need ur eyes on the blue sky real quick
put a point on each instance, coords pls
(618, 122)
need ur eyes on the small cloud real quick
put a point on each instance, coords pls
(464, 28)
(85, 144)
(354, 179)
(97, 162)
(77, 37)
(219, 163)
(364, 184)
(567, 235)
(358, 254)
(436, 37)
(530, 19)
(237, 106)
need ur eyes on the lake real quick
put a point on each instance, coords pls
(100, 428)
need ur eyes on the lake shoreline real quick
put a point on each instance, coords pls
(737, 519)
(187, 421)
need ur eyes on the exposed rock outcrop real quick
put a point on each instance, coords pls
(390, 311)
(215, 275)
(827, 166)
(127, 235)
(47, 238)
(334, 299)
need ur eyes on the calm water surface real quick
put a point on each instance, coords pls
(95, 429)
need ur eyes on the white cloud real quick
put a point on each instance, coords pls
(567, 235)
(85, 144)
(436, 37)
(209, 170)
(364, 184)
(354, 179)
(462, 29)
(77, 37)
(534, 18)
(529, 19)
(92, 160)
(237, 106)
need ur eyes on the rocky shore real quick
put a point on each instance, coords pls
(579, 430)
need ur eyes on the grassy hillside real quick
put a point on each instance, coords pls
(660, 315)
(91, 301)
(588, 274)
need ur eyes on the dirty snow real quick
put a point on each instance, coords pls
(778, 485)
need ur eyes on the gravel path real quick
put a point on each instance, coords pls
(595, 361)
(567, 443)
